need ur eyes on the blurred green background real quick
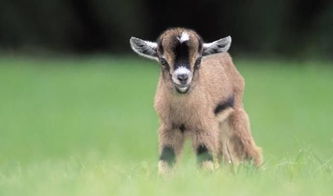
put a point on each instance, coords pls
(76, 105)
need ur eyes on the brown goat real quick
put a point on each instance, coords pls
(199, 95)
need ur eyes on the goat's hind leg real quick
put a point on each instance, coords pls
(241, 145)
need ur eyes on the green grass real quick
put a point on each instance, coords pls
(87, 127)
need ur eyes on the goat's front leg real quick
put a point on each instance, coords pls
(205, 144)
(171, 143)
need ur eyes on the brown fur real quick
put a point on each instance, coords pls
(219, 134)
(226, 135)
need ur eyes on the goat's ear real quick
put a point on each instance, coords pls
(218, 46)
(144, 48)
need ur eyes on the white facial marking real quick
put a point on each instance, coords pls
(184, 37)
(181, 70)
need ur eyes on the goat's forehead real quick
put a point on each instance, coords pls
(183, 37)
(170, 39)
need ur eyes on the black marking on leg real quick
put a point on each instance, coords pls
(230, 102)
(203, 154)
(168, 155)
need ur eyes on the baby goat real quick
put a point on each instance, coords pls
(199, 95)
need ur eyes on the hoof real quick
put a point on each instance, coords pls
(209, 166)
(163, 168)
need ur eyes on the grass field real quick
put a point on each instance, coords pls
(87, 127)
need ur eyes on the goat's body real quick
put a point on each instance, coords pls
(225, 132)
(215, 84)
(199, 95)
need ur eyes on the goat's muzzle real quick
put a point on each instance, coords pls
(182, 78)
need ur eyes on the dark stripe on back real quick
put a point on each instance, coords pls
(230, 102)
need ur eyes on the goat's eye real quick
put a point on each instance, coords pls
(163, 62)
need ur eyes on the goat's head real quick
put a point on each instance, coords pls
(179, 52)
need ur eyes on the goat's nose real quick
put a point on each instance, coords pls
(182, 78)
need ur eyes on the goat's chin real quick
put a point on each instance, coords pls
(182, 89)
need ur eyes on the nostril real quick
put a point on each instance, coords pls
(182, 77)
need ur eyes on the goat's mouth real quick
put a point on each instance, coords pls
(182, 88)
